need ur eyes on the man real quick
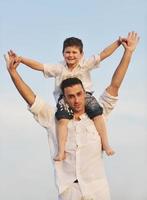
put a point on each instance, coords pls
(81, 175)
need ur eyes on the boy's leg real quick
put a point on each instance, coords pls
(62, 137)
(95, 111)
(63, 115)
(102, 130)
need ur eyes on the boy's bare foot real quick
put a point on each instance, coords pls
(59, 157)
(109, 151)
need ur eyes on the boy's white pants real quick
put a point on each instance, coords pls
(74, 193)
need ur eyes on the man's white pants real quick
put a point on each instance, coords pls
(74, 193)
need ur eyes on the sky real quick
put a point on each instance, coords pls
(36, 29)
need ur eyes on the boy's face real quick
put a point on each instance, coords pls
(72, 56)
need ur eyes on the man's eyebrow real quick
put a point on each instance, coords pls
(70, 94)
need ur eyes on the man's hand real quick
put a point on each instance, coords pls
(129, 44)
(24, 90)
(131, 41)
(17, 58)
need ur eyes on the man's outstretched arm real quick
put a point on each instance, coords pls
(24, 90)
(119, 74)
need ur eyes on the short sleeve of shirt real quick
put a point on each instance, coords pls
(52, 70)
(108, 103)
(42, 112)
(92, 63)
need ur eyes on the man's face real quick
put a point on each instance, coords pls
(75, 97)
(72, 56)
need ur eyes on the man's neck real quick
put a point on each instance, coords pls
(77, 115)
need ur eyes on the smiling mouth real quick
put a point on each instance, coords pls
(77, 106)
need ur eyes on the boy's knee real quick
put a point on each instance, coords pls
(62, 122)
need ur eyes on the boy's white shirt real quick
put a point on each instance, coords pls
(61, 72)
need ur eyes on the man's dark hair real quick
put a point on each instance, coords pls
(69, 82)
(72, 41)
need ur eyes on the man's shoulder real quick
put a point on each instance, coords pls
(43, 112)
(40, 104)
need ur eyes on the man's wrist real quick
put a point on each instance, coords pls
(128, 52)
(12, 72)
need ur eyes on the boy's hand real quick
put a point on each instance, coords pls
(11, 61)
(131, 41)
(17, 58)
(121, 40)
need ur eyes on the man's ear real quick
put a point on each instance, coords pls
(64, 99)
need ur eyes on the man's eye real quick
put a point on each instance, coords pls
(79, 94)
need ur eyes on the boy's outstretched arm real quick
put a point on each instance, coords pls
(110, 49)
(29, 62)
(24, 90)
(119, 74)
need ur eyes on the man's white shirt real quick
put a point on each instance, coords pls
(83, 148)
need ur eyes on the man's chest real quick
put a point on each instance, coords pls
(81, 134)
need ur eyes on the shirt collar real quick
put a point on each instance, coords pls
(83, 116)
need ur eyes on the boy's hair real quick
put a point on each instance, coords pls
(72, 41)
(69, 82)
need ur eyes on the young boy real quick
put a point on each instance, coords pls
(74, 65)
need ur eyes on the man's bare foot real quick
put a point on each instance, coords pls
(59, 157)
